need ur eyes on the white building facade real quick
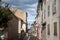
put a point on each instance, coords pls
(50, 19)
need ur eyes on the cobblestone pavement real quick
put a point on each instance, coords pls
(30, 37)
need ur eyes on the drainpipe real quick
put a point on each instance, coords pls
(58, 11)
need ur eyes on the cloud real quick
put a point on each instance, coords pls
(14, 2)
(30, 21)
(32, 5)
(31, 9)
(6, 0)
(13, 6)
(22, 4)
(27, 5)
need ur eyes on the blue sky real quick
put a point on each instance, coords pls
(29, 6)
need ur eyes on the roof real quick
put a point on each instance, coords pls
(19, 14)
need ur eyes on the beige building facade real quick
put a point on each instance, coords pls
(17, 24)
(22, 18)
(50, 19)
(38, 26)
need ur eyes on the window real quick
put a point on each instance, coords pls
(55, 28)
(48, 29)
(48, 10)
(41, 6)
(44, 1)
(54, 7)
(42, 18)
(44, 14)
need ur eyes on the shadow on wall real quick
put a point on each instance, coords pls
(23, 34)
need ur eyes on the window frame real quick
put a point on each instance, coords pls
(48, 29)
(55, 28)
(54, 7)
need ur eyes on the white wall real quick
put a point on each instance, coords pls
(19, 26)
(24, 27)
(50, 20)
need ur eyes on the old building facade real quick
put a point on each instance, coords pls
(49, 12)
(17, 24)
(33, 29)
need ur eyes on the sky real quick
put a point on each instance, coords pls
(29, 6)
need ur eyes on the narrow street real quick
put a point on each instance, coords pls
(30, 37)
(29, 19)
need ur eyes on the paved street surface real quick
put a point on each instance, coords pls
(30, 37)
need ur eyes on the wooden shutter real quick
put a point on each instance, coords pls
(48, 29)
(55, 28)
